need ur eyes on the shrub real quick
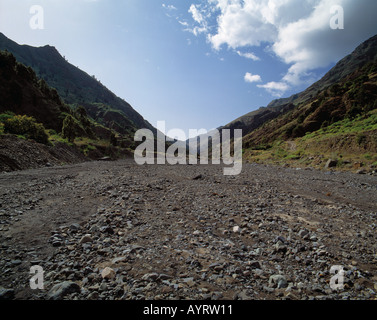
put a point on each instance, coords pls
(26, 126)
(5, 116)
(70, 128)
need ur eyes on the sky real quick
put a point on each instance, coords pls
(196, 63)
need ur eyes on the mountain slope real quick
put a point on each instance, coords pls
(366, 52)
(23, 93)
(73, 85)
(339, 122)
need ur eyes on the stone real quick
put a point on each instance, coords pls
(108, 273)
(119, 260)
(236, 229)
(62, 289)
(313, 238)
(150, 276)
(107, 229)
(6, 294)
(331, 163)
(278, 281)
(189, 281)
(280, 247)
(74, 226)
(102, 287)
(254, 264)
(303, 234)
(164, 276)
(243, 295)
(56, 243)
(86, 238)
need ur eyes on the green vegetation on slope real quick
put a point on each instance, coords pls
(30, 109)
(73, 85)
(340, 122)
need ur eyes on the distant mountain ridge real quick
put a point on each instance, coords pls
(364, 53)
(74, 86)
(333, 123)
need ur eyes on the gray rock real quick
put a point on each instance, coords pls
(243, 295)
(62, 289)
(254, 264)
(16, 262)
(107, 229)
(150, 276)
(119, 260)
(86, 238)
(331, 163)
(164, 276)
(303, 234)
(6, 294)
(280, 247)
(278, 281)
(74, 227)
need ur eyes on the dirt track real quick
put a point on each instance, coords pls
(176, 232)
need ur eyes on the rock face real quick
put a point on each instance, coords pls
(115, 230)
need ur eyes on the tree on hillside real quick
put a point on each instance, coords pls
(69, 130)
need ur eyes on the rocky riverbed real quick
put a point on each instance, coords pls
(115, 230)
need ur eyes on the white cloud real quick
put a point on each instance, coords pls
(196, 15)
(252, 77)
(170, 7)
(275, 88)
(200, 18)
(298, 32)
(248, 55)
(183, 23)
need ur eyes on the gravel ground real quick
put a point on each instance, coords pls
(115, 230)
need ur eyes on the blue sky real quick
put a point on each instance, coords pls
(196, 63)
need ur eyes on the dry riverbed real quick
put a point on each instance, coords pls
(115, 230)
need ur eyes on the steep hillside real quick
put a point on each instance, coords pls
(73, 85)
(37, 127)
(23, 93)
(340, 123)
(362, 55)
(333, 123)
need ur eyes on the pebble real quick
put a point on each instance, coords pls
(86, 238)
(108, 273)
(278, 281)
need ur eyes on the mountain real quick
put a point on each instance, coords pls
(76, 87)
(365, 53)
(335, 118)
(23, 93)
(31, 112)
